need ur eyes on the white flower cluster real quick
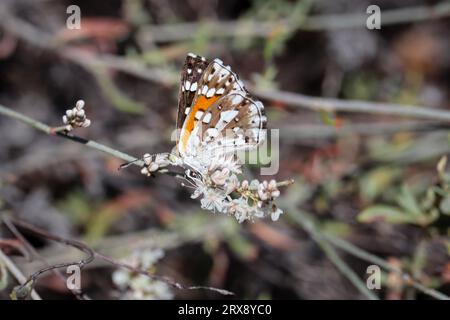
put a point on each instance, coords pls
(76, 117)
(153, 163)
(221, 191)
(139, 286)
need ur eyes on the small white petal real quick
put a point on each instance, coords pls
(276, 214)
(153, 167)
(80, 104)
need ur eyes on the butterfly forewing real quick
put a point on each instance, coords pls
(193, 69)
(217, 81)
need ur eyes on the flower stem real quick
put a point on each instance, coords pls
(60, 132)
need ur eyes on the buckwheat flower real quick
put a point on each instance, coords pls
(149, 165)
(154, 163)
(219, 177)
(230, 162)
(162, 159)
(138, 286)
(213, 200)
(261, 209)
(254, 184)
(76, 117)
(200, 187)
(276, 212)
(232, 184)
(268, 190)
(236, 205)
(240, 209)
(247, 213)
(149, 257)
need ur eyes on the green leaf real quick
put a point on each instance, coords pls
(377, 181)
(336, 228)
(445, 205)
(408, 201)
(385, 213)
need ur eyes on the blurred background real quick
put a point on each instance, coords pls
(371, 178)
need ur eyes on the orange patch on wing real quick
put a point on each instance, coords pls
(202, 104)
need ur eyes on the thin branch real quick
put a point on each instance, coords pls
(308, 132)
(28, 32)
(344, 268)
(31, 251)
(92, 254)
(263, 29)
(17, 273)
(289, 98)
(304, 220)
(92, 144)
(44, 234)
(167, 280)
(50, 131)
(334, 257)
(364, 255)
(358, 106)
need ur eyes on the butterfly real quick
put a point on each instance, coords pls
(216, 114)
(216, 118)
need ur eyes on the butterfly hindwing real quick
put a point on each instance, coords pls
(235, 122)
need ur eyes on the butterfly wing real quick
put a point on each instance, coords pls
(193, 69)
(216, 82)
(234, 122)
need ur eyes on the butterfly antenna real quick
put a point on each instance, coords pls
(127, 164)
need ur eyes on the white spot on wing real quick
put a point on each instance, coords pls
(186, 112)
(198, 114)
(237, 99)
(220, 91)
(204, 89)
(194, 87)
(210, 92)
(212, 132)
(187, 85)
(227, 116)
(207, 118)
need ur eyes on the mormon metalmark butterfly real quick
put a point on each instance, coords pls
(216, 114)
(216, 118)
